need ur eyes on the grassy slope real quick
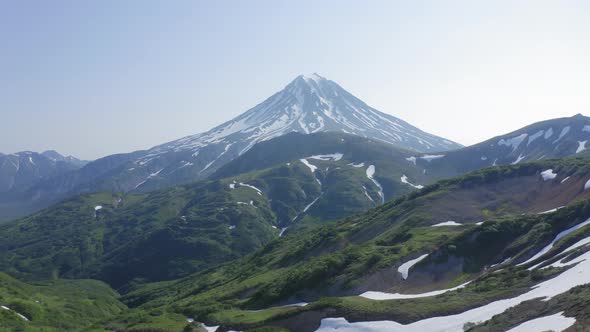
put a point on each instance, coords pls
(59, 305)
(341, 259)
(171, 233)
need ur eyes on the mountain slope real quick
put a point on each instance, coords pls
(334, 264)
(56, 305)
(22, 170)
(309, 104)
(170, 233)
(555, 138)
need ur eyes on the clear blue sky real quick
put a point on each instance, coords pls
(91, 78)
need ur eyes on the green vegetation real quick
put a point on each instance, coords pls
(245, 273)
(58, 305)
(329, 262)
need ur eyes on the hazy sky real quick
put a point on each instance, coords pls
(92, 78)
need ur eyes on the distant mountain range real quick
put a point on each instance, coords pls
(22, 170)
(556, 138)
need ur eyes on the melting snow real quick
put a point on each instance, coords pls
(513, 142)
(357, 165)
(534, 136)
(404, 269)
(311, 167)
(7, 308)
(502, 262)
(581, 146)
(404, 179)
(557, 238)
(412, 160)
(564, 131)
(251, 187)
(519, 159)
(326, 157)
(447, 223)
(548, 175)
(548, 133)
(430, 157)
(575, 276)
(551, 211)
(557, 323)
(283, 231)
(311, 204)
(370, 175)
(380, 296)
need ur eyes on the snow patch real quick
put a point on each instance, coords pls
(552, 210)
(283, 231)
(548, 133)
(258, 191)
(430, 157)
(556, 322)
(357, 165)
(513, 142)
(404, 179)
(380, 296)
(557, 238)
(311, 167)
(327, 157)
(581, 146)
(519, 159)
(311, 204)
(564, 132)
(447, 223)
(19, 315)
(98, 207)
(534, 136)
(370, 174)
(548, 174)
(404, 269)
(412, 160)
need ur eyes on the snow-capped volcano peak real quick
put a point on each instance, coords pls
(309, 104)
